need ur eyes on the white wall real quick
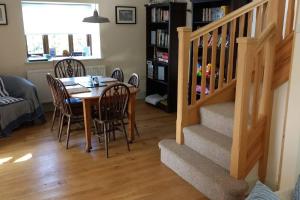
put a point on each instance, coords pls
(276, 136)
(291, 152)
(122, 45)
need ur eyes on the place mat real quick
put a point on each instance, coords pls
(69, 83)
(91, 85)
(76, 90)
(107, 79)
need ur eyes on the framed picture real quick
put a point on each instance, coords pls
(3, 15)
(125, 15)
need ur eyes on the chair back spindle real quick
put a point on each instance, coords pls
(134, 80)
(69, 67)
(118, 74)
(113, 102)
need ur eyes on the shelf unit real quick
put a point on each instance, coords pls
(198, 5)
(176, 18)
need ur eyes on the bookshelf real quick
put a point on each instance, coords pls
(162, 20)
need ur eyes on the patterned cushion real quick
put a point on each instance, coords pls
(3, 92)
(9, 100)
(296, 195)
(262, 192)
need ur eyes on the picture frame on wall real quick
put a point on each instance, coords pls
(3, 15)
(125, 15)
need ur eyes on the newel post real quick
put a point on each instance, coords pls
(267, 103)
(184, 35)
(245, 62)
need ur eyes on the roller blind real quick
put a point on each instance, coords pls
(57, 18)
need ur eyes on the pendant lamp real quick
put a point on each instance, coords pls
(96, 18)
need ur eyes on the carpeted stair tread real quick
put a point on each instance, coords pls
(209, 178)
(218, 117)
(209, 143)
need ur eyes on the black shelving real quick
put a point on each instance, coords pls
(169, 38)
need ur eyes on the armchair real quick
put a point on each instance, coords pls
(15, 114)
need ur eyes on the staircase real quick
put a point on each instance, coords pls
(204, 158)
(224, 134)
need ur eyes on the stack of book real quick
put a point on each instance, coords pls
(162, 56)
(159, 15)
(160, 38)
(213, 14)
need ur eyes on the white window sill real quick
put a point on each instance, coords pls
(81, 58)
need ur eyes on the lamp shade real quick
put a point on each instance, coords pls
(96, 18)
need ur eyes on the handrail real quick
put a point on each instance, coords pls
(227, 18)
(265, 35)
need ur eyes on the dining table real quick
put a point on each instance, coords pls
(89, 89)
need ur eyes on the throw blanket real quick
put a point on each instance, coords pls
(5, 99)
(26, 110)
(9, 100)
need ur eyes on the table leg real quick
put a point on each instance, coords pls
(87, 124)
(131, 116)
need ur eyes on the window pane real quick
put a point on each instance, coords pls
(39, 19)
(35, 44)
(79, 42)
(60, 42)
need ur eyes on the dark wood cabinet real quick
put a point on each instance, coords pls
(162, 22)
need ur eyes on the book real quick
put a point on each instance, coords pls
(153, 37)
(162, 38)
(213, 14)
(150, 69)
(161, 73)
(159, 15)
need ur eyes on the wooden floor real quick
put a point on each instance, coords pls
(56, 173)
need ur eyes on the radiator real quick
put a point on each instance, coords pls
(38, 78)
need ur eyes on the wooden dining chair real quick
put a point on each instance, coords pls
(51, 83)
(118, 74)
(69, 67)
(70, 108)
(112, 106)
(135, 81)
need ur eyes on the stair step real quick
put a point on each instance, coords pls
(209, 178)
(218, 117)
(213, 145)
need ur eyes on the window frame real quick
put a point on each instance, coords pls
(70, 45)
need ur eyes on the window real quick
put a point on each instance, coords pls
(57, 29)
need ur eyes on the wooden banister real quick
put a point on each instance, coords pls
(268, 32)
(290, 17)
(184, 34)
(243, 74)
(228, 18)
(245, 62)
(251, 135)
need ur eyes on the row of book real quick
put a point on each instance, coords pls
(213, 14)
(159, 74)
(210, 41)
(159, 15)
(160, 38)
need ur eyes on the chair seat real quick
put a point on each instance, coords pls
(74, 101)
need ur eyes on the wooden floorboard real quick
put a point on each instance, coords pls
(56, 173)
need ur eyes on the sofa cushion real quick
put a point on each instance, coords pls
(262, 192)
(3, 92)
